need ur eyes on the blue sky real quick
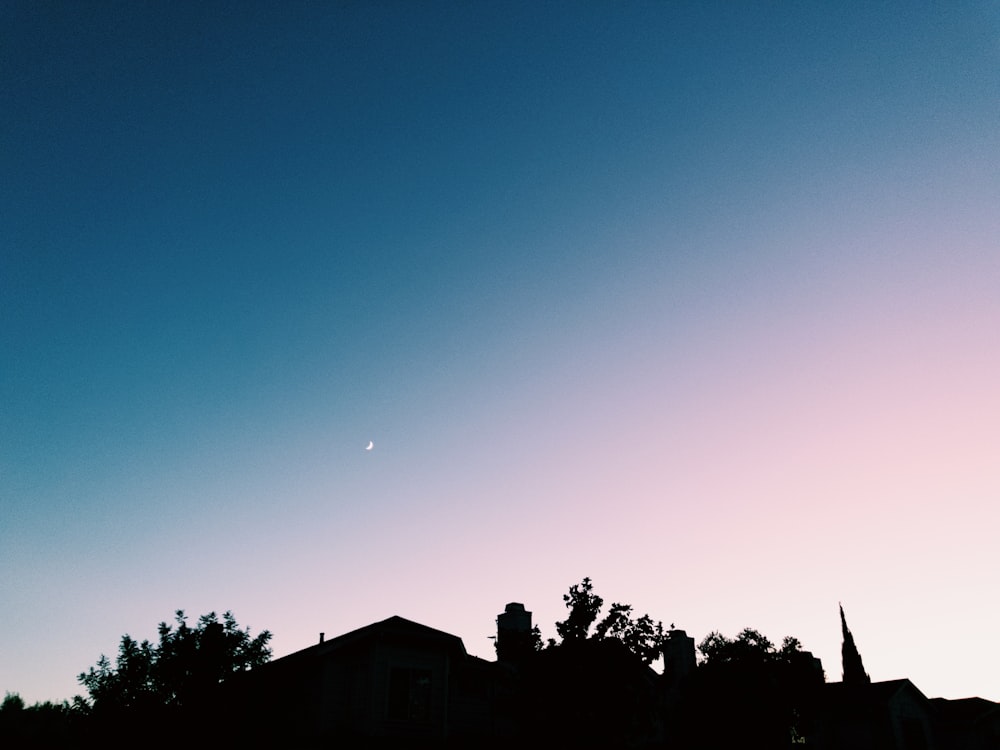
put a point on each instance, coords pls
(699, 301)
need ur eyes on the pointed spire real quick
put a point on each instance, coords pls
(854, 669)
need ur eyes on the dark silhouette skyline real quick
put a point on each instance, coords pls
(400, 683)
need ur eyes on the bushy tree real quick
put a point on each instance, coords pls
(590, 689)
(767, 692)
(48, 724)
(179, 670)
(641, 635)
(749, 646)
(584, 606)
(12, 703)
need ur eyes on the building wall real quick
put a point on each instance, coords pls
(910, 722)
(401, 705)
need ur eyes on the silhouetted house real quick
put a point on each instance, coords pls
(891, 715)
(402, 684)
(967, 723)
(895, 715)
(394, 682)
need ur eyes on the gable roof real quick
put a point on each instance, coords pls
(394, 627)
(869, 695)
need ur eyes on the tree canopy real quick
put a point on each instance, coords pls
(594, 687)
(45, 724)
(749, 645)
(768, 692)
(641, 635)
(180, 669)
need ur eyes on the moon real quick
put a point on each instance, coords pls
(371, 444)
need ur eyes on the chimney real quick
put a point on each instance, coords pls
(322, 637)
(514, 633)
(678, 658)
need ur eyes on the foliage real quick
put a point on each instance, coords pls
(12, 703)
(584, 606)
(180, 669)
(589, 689)
(39, 725)
(536, 639)
(641, 635)
(769, 692)
(749, 644)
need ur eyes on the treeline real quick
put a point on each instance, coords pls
(593, 686)
(587, 689)
(151, 693)
(42, 724)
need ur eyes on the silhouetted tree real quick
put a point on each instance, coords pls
(12, 704)
(48, 725)
(584, 606)
(641, 635)
(151, 683)
(854, 669)
(747, 693)
(594, 688)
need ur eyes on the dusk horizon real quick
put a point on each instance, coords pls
(325, 313)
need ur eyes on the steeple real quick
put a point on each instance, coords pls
(854, 669)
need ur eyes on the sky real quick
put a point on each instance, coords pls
(698, 300)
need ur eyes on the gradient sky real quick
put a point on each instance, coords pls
(699, 300)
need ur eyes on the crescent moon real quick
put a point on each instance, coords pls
(371, 444)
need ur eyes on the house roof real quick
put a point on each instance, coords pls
(871, 694)
(878, 694)
(394, 627)
(966, 709)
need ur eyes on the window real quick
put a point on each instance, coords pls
(913, 735)
(409, 694)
